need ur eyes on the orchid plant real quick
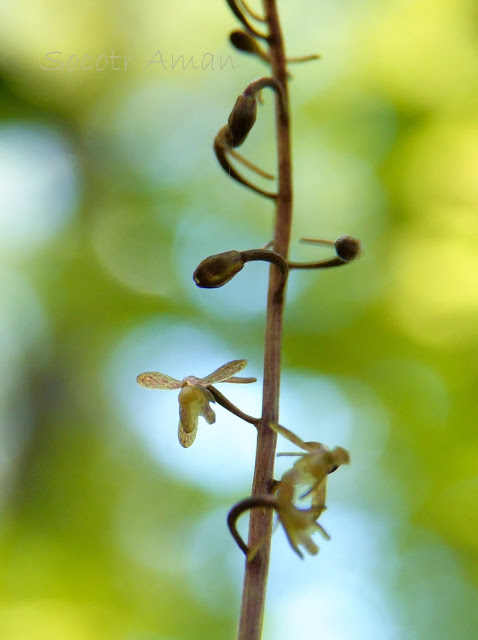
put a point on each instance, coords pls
(306, 479)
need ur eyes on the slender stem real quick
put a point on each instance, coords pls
(322, 264)
(255, 15)
(240, 16)
(260, 524)
(221, 149)
(312, 56)
(227, 404)
(250, 165)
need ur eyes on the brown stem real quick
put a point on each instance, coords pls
(322, 264)
(260, 524)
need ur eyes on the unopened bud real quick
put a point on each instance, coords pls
(217, 270)
(242, 118)
(243, 41)
(347, 248)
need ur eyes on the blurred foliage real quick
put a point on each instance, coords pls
(110, 196)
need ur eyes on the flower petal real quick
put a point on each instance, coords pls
(292, 542)
(156, 380)
(239, 380)
(209, 415)
(290, 435)
(311, 447)
(322, 531)
(309, 544)
(223, 373)
(299, 525)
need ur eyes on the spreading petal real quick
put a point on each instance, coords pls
(239, 380)
(311, 447)
(223, 373)
(156, 380)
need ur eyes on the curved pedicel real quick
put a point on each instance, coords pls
(229, 406)
(251, 12)
(237, 11)
(221, 149)
(245, 505)
(261, 83)
(240, 122)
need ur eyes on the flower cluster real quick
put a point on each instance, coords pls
(309, 472)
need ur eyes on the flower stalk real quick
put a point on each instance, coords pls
(260, 523)
(315, 461)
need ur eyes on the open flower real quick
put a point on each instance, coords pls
(194, 397)
(310, 470)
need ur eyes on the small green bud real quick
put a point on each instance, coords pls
(217, 270)
(347, 248)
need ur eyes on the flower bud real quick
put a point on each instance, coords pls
(242, 118)
(242, 41)
(347, 248)
(218, 269)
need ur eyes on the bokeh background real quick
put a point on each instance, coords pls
(110, 196)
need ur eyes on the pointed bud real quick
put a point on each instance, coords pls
(242, 118)
(347, 248)
(217, 270)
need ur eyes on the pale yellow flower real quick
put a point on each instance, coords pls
(310, 470)
(194, 397)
